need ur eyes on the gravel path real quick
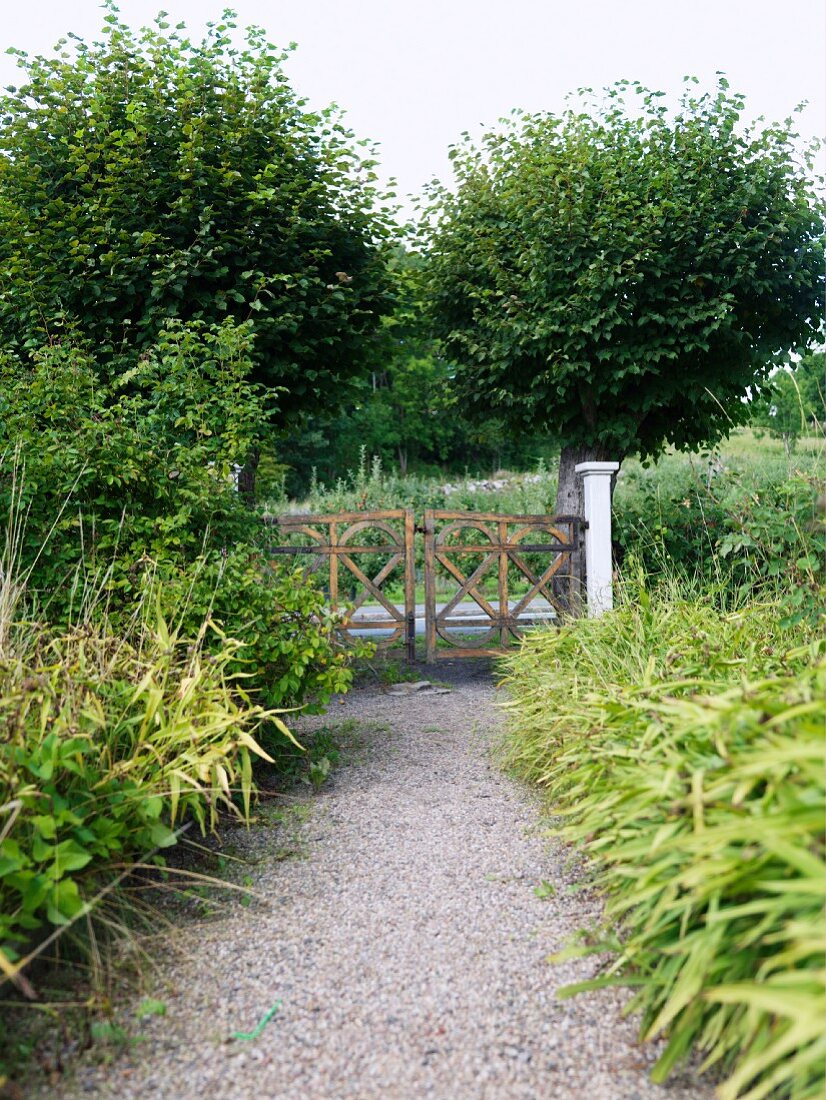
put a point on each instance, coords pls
(408, 947)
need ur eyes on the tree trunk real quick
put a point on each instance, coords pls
(246, 477)
(402, 460)
(570, 495)
(570, 501)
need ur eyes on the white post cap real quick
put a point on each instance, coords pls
(585, 468)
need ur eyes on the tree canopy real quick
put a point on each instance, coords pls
(145, 177)
(405, 412)
(620, 275)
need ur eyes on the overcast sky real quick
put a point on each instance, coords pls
(413, 74)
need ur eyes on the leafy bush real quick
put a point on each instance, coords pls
(111, 742)
(745, 516)
(108, 474)
(286, 648)
(684, 748)
(145, 641)
(133, 483)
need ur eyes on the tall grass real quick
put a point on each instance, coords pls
(683, 747)
(112, 739)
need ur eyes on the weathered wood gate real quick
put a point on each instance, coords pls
(543, 551)
(486, 576)
(338, 545)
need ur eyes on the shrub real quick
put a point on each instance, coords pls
(286, 649)
(684, 748)
(741, 517)
(111, 742)
(132, 483)
(145, 641)
(107, 475)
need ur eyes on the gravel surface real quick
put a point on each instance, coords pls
(407, 946)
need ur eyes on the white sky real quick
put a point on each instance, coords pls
(413, 75)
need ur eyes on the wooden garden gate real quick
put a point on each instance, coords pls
(478, 581)
(532, 567)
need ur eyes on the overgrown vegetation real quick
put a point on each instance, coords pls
(146, 642)
(680, 740)
(112, 741)
(131, 485)
(737, 518)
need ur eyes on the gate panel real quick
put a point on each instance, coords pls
(529, 562)
(354, 554)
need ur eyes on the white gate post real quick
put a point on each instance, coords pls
(596, 478)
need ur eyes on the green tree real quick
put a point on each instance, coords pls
(618, 276)
(793, 399)
(144, 177)
(810, 374)
(406, 411)
(109, 475)
(409, 408)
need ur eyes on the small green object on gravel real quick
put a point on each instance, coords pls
(257, 1031)
(151, 1007)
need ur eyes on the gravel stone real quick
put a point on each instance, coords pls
(406, 944)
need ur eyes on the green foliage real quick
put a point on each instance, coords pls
(793, 400)
(108, 474)
(369, 486)
(125, 485)
(745, 517)
(151, 1006)
(406, 412)
(145, 177)
(311, 764)
(112, 741)
(684, 749)
(286, 647)
(619, 277)
(145, 640)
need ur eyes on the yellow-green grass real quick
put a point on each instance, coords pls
(683, 748)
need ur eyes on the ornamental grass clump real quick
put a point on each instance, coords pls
(683, 748)
(110, 743)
